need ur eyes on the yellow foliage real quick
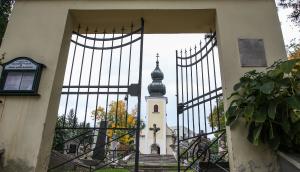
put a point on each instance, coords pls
(116, 118)
(295, 54)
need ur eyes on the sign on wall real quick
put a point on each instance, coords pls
(20, 76)
(252, 53)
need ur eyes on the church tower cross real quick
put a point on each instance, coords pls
(155, 130)
(157, 62)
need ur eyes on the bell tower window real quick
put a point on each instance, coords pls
(155, 108)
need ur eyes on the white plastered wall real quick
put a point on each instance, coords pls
(158, 118)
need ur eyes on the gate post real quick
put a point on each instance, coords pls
(248, 22)
(27, 123)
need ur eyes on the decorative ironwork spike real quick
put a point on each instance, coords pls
(96, 30)
(195, 47)
(114, 30)
(104, 32)
(87, 29)
(78, 28)
(123, 29)
(191, 49)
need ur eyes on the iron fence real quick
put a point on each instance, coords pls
(201, 143)
(99, 113)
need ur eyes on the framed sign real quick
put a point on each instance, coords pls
(20, 76)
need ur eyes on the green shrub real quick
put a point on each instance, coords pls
(270, 104)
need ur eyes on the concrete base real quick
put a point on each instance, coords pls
(289, 162)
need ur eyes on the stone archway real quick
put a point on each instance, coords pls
(45, 36)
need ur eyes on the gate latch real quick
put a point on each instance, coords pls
(133, 89)
(180, 108)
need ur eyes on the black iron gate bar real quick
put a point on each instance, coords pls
(132, 88)
(197, 152)
(185, 104)
(197, 101)
(95, 149)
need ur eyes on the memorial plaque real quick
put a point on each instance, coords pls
(252, 53)
(20, 76)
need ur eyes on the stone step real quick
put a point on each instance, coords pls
(155, 159)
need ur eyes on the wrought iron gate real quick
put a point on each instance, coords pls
(201, 142)
(99, 114)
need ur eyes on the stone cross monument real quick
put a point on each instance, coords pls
(155, 130)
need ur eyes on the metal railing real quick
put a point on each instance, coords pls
(200, 113)
(102, 84)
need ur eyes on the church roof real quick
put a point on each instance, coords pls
(157, 88)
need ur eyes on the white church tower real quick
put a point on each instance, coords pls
(156, 125)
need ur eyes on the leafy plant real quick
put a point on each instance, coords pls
(5, 10)
(61, 135)
(270, 104)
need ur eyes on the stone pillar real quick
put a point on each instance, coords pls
(40, 30)
(256, 20)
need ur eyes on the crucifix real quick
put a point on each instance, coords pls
(155, 130)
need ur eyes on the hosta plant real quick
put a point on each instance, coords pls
(270, 104)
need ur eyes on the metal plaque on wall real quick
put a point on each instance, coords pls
(252, 53)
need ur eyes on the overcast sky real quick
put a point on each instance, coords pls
(165, 45)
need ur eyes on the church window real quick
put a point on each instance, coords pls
(155, 108)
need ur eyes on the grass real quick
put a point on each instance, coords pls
(112, 170)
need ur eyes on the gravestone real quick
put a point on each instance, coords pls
(99, 151)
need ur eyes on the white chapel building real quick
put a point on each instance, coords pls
(156, 137)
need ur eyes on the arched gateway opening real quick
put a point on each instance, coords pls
(102, 85)
(83, 28)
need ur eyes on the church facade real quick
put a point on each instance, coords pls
(156, 137)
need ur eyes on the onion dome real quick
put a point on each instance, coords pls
(157, 88)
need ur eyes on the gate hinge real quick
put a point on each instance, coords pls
(134, 89)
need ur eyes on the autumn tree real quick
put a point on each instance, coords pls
(294, 52)
(295, 5)
(216, 119)
(118, 117)
(5, 10)
(217, 116)
(70, 121)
